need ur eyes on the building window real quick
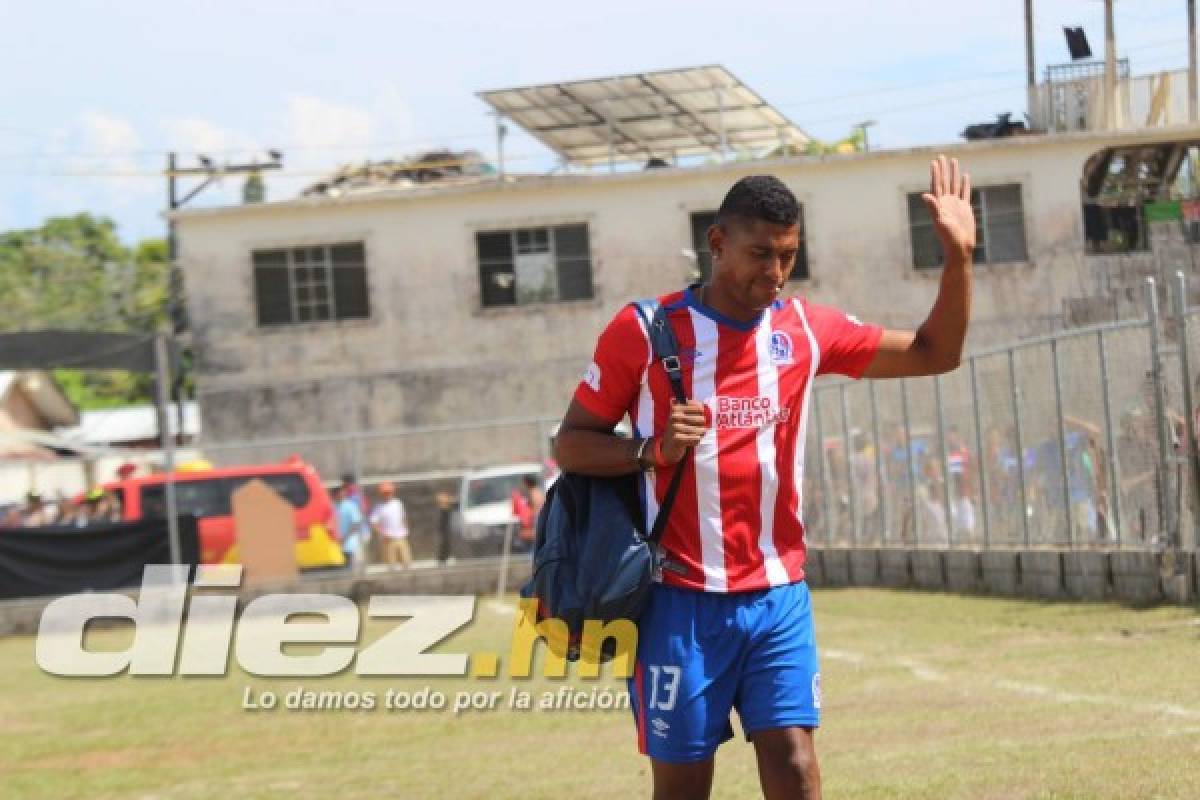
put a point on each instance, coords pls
(534, 265)
(311, 284)
(1115, 229)
(703, 220)
(999, 231)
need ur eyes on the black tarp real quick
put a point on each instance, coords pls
(63, 560)
(77, 349)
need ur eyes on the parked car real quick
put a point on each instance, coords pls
(206, 493)
(485, 506)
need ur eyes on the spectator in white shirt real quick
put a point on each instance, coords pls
(390, 523)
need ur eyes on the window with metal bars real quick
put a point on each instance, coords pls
(319, 283)
(999, 228)
(528, 266)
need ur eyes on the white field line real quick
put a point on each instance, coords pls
(925, 673)
(843, 655)
(1033, 690)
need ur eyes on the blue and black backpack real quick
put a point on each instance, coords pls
(593, 558)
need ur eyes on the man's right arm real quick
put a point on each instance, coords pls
(587, 445)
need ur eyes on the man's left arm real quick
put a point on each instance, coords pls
(936, 346)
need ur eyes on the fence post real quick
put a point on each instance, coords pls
(880, 485)
(980, 458)
(945, 470)
(162, 375)
(1062, 444)
(1114, 467)
(912, 469)
(1016, 406)
(502, 578)
(1188, 399)
(851, 488)
(1165, 511)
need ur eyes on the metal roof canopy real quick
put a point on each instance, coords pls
(679, 112)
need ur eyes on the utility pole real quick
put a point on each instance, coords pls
(501, 133)
(1193, 92)
(1030, 64)
(1110, 68)
(176, 313)
(863, 126)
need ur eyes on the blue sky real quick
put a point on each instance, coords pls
(95, 93)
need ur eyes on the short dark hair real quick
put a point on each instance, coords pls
(763, 197)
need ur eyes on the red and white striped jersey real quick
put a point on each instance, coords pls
(736, 522)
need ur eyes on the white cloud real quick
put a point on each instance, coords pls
(197, 135)
(317, 129)
(94, 163)
(109, 135)
(320, 135)
(110, 147)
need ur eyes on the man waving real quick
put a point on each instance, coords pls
(730, 624)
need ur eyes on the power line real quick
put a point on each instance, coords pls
(323, 173)
(430, 141)
(917, 106)
(87, 172)
(433, 141)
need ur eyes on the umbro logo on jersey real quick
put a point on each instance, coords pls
(660, 727)
(781, 348)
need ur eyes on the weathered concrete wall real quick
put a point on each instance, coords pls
(1117, 291)
(1135, 578)
(430, 354)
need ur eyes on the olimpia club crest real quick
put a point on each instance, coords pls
(781, 348)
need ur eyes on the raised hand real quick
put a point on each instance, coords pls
(949, 203)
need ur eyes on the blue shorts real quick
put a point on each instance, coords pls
(701, 654)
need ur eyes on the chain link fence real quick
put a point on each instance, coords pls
(1084, 439)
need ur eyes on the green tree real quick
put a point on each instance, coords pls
(74, 273)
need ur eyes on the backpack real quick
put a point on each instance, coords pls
(593, 558)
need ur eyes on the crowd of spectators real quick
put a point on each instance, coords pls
(92, 508)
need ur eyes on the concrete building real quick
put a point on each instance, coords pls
(442, 304)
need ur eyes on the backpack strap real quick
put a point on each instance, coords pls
(664, 349)
(663, 344)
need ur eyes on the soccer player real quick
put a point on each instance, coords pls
(729, 625)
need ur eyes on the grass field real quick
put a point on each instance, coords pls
(926, 696)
